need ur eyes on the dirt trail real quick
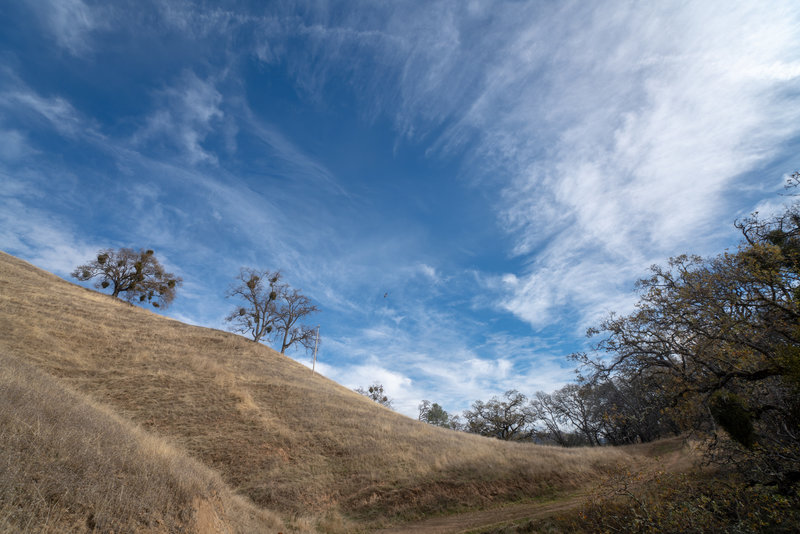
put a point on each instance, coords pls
(668, 455)
(486, 518)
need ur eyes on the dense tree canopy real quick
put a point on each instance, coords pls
(720, 338)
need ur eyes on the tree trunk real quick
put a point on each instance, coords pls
(283, 343)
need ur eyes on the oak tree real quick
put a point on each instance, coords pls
(508, 418)
(271, 310)
(722, 336)
(294, 307)
(136, 276)
(260, 291)
(376, 393)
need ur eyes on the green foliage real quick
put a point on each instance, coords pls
(434, 414)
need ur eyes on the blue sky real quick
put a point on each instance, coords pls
(504, 171)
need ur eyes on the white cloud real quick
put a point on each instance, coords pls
(39, 237)
(612, 132)
(433, 354)
(623, 126)
(15, 145)
(430, 273)
(450, 374)
(298, 164)
(71, 22)
(655, 112)
(187, 112)
(55, 110)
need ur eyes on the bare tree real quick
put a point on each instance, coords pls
(260, 290)
(271, 310)
(574, 403)
(132, 275)
(545, 410)
(294, 307)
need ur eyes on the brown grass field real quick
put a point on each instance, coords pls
(116, 419)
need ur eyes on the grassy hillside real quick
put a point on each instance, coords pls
(69, 465)
(317, 454)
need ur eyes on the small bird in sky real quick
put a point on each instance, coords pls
(385, 295)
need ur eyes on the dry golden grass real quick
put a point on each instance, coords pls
(315, 452)
(70, 465)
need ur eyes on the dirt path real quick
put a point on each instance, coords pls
(486, 518)
(669, 455)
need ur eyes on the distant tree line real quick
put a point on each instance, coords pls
(609, 413)
(270, 309)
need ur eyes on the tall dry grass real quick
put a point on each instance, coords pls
(318, 453)
(70, 465)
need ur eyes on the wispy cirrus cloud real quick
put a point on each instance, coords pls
(710, 104)
(71, 23)
(37, 235)
(15, 145)
(185, 114)
(623, 129)
(426, 347)
(55, 111)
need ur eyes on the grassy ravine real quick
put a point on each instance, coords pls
(300, 448)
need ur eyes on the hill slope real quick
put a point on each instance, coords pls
(69, 465)
(292, 442)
